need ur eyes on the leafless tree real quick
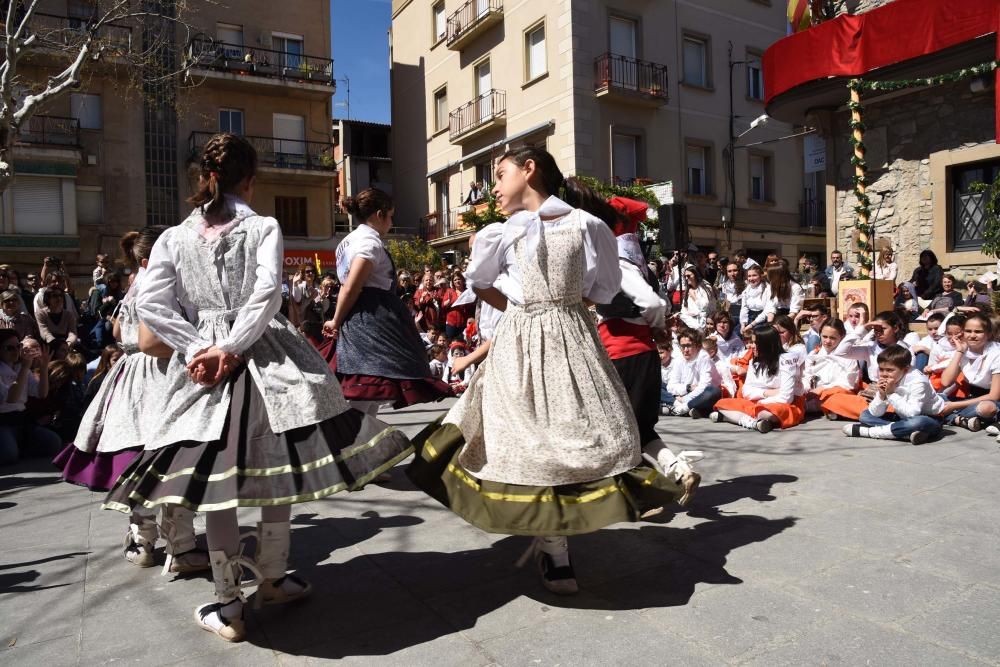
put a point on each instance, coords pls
(138, 42)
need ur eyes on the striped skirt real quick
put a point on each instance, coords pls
(250, 466)
(515, 509)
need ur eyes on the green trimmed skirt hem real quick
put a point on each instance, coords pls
(343, 453)
(514, 509)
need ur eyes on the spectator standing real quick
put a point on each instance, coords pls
(305, 293)
(699, 301)
(425, 299)
(456, 317)
(475, 195)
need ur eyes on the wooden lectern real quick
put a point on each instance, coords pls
(879, 295)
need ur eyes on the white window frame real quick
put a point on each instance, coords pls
(439, 36)
(287, 36)
(528, 76)
(243, 120)
(440, 115)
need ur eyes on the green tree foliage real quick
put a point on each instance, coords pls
(413, 255)
(991, 232)
(489, 215)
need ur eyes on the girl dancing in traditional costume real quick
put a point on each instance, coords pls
(111, 433)
(380, 357)
(251, 415)
(543, 442)
(626, 328)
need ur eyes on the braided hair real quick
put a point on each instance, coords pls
(226, 161)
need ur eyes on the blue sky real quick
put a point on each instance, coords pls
(360, 31)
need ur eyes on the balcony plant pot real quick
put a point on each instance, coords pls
(266, 69)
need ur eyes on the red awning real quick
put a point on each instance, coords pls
(852, 46)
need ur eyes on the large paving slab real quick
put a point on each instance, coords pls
(801, 548)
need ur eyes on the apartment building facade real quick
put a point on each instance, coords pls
(623, 90)
(109, 158)
(361, 150)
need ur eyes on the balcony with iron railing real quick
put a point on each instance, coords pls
(50, 131)
(442, 225)
(56, 32)
(471, 20)
(276, 153)
(258, 63)
(487, 111)
(630, 80)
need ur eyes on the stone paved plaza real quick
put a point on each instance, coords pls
(802, 548)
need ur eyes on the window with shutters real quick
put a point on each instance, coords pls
(755, 76)
(289, 140)
(624, 158)
(38, 205)
(698, 166)
(535, 61)
(696, 55)
(86, 109)
(761, 177)
(440, 109)
(89, 207)
(231, 38)
(291, 215)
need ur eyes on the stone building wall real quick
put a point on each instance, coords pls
(902, 132)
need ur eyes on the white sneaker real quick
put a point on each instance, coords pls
(716, 417)
(992, 430)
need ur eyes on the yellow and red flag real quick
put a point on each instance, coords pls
(799, 15)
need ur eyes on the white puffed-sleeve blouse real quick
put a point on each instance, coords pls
(493, 252)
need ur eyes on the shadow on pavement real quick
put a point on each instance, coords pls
(378, 604)
(11, 582)
(709, 499)
(11, 479)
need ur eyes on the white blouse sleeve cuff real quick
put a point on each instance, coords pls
(487, 261)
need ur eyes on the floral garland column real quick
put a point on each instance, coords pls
(863, 208)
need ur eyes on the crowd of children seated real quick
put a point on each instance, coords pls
(760, 361)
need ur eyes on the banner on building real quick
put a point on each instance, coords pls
(321, 259)
(814, 150)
